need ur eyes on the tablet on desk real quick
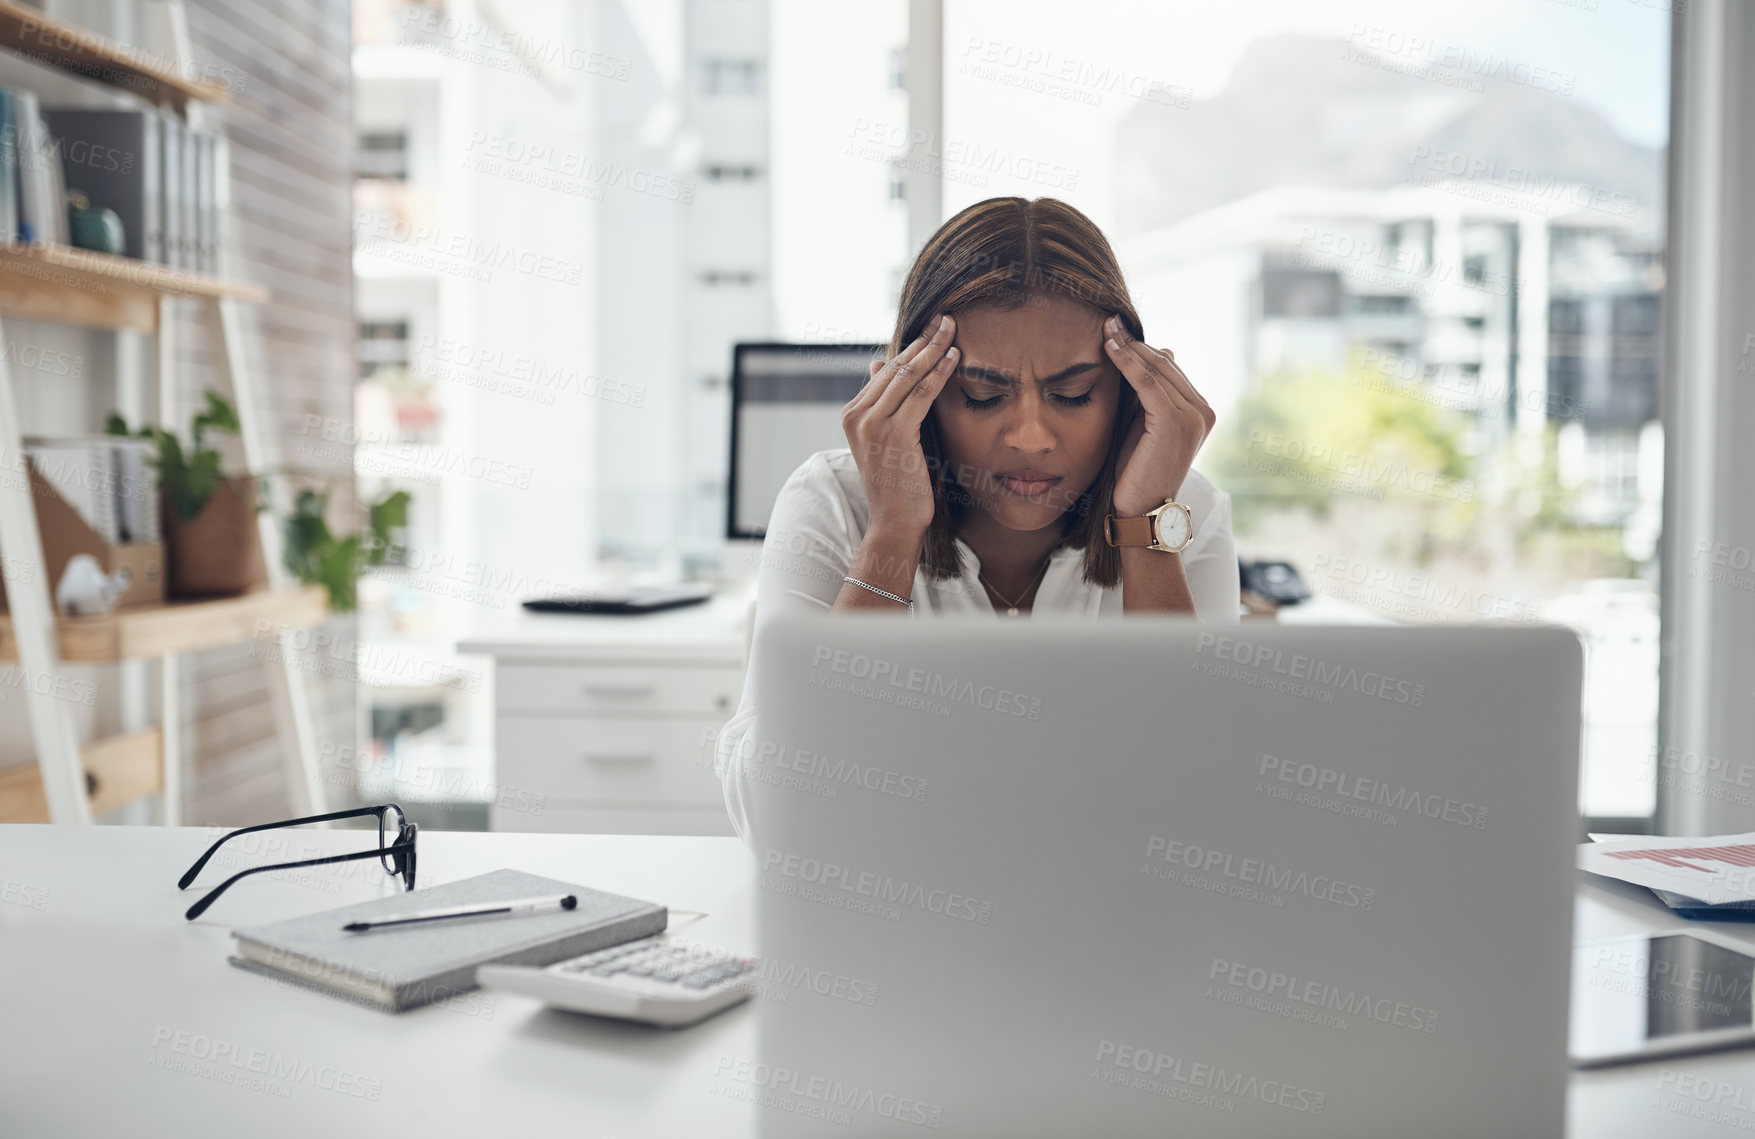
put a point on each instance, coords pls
(623, 602)
(1644, 998)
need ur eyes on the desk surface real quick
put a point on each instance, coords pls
(113, 1006)
(100, 980)
(711, 632)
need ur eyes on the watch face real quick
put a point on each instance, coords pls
(1173, 528)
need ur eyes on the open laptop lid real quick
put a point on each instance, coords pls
(1150, 877)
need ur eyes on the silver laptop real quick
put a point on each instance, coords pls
(1057, 877)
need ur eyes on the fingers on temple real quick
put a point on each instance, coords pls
(919, 398)
(914, 368)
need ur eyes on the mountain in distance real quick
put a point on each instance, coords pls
(1314, 111)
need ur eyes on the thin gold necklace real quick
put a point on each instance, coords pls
(1012, 606)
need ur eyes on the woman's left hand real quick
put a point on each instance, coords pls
(1172, 423)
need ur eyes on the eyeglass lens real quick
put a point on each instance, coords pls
(390, 822)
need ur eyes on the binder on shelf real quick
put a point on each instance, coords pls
(8, 168)
(65, 532)
(63, 228)
(112, 157)
(171, 189)
(42, 218)
(137, 517)
(107, 479)
(188, 177)
(80, 470)
(206, 250)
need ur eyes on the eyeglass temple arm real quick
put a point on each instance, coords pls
(189, 875)
(207, 899)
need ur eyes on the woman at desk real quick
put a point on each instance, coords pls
(1019, 448)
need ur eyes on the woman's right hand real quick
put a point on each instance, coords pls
(882, 425)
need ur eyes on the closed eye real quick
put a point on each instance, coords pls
(1063, 400)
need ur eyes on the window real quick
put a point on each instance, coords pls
(1370, 305)
(1359, 272)
(724, 172)
(731, 76)
(382, 154)
(381, 345)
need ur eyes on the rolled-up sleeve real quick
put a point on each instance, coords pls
(811, 539)
(1211, 565)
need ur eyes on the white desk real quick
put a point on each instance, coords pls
(108, 966)
(607, 723)
(99, 980)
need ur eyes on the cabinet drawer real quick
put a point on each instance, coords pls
(589, 690)
(609, 762)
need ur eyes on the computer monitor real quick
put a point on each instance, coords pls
(786, 402)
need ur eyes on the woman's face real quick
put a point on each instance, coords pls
(1044, 395)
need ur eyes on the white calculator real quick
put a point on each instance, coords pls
(657, 980)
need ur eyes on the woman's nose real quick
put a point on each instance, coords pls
(1028, 428)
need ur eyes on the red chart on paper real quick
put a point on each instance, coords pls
(1679, 856)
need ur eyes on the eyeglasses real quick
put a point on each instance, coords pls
(395, 851)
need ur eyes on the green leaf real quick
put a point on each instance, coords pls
(386, 517)
(315, 556)
(339, 573)
(307, 536)
(219, 416)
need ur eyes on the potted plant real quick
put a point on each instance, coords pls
(212, 545)
(316, 556)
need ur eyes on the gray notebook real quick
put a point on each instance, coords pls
(403, 967)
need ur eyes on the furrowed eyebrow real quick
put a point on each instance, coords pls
(1001, 379)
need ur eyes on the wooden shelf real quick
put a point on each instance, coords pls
(71, 48)
(98, 290)
(118, 770)
(142, 631)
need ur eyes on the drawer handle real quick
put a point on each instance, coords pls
(622, 759)
(621, 691)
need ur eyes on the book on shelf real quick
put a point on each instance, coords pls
(42, 213)
(190, 176)
(206, 213)
(8, 167)
(136, 491)
(171, 194)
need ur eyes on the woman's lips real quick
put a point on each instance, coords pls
(1027, 488)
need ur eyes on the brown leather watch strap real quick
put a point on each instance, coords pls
(1132, 531)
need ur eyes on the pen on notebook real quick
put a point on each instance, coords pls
(524, 906)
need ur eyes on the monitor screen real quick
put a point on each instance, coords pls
(786, 402)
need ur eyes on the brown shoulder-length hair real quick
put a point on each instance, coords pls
(1011, 252)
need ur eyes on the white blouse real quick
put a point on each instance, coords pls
(819, 521)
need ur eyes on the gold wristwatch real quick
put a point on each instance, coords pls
(1169, 528)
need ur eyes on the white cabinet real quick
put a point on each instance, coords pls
(605, 724)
